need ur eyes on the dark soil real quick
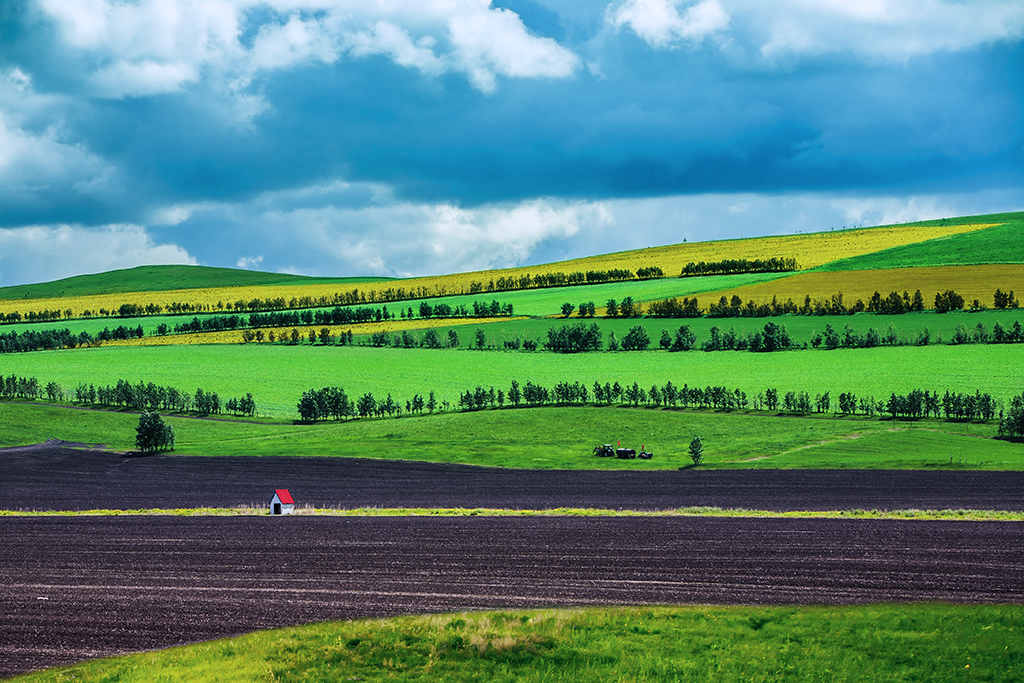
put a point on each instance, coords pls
(55, 477)
(76, 588)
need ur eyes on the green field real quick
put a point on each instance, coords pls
(904, 642)
(999, 244)
(556, 438)
(277, 375)
(156, 278)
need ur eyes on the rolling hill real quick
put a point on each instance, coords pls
(159, 278)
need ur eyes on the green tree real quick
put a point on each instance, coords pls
(152, 434)
(685, 339)
(481, 340)
(453, 339)
(567, 309)
(636, 339)
(666, 340)
(696, 450)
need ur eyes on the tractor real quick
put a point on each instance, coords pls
(604, 451)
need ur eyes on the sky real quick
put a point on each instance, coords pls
(409, 137)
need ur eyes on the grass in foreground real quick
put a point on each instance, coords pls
(556, 438)
(853, 643)
(950, 515)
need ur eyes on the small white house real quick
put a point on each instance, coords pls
(282, 503)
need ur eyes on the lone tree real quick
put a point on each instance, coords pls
(567, 310)
(696, 450)
(152, 434)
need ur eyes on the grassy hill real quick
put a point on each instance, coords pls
(556, 438)
(158, 278)
(202, 286)
(1000, 244)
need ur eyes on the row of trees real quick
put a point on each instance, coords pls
(332, 402)
(325, 403)
(735, 266)
(337, 316)
(147, 396)
(587, 309)
(142, 396)
(892, 304)
(953, 406)
(48, 340)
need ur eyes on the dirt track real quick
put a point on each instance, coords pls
(76, 588)
(56, 478)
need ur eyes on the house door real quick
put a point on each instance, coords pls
(277, 508)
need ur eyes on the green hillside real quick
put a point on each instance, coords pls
(999, 244)
(157, 278)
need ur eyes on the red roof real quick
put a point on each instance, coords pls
(285, 496)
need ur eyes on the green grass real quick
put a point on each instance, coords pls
(1000, 244)
(157, 278)
(556, 438)
(277, 375)
(899, 642)
(955, 515)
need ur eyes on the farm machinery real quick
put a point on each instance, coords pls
(607, 451)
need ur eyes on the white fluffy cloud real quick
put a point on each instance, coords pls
(159, 46)
(664, 23)
(887, 29)
(41, 253)
(402, 238)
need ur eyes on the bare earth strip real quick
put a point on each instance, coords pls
(53, 477)
(84, 587)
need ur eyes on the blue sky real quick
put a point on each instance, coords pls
(400, 137)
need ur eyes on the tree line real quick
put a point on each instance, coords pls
(736, 266)
(892, 304)
(338, 316)
(147, 396)
(49, 340)
(333, 402)
(325, 403)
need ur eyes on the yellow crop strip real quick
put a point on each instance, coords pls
(283, 333)
(971, 282)
(809, 251)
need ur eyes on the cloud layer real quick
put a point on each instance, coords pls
(402, 136)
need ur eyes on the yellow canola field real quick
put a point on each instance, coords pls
(809, 250)
(970, 282)
(235, 336)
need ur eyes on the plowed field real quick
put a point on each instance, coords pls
(86, 587)
(42, 478)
